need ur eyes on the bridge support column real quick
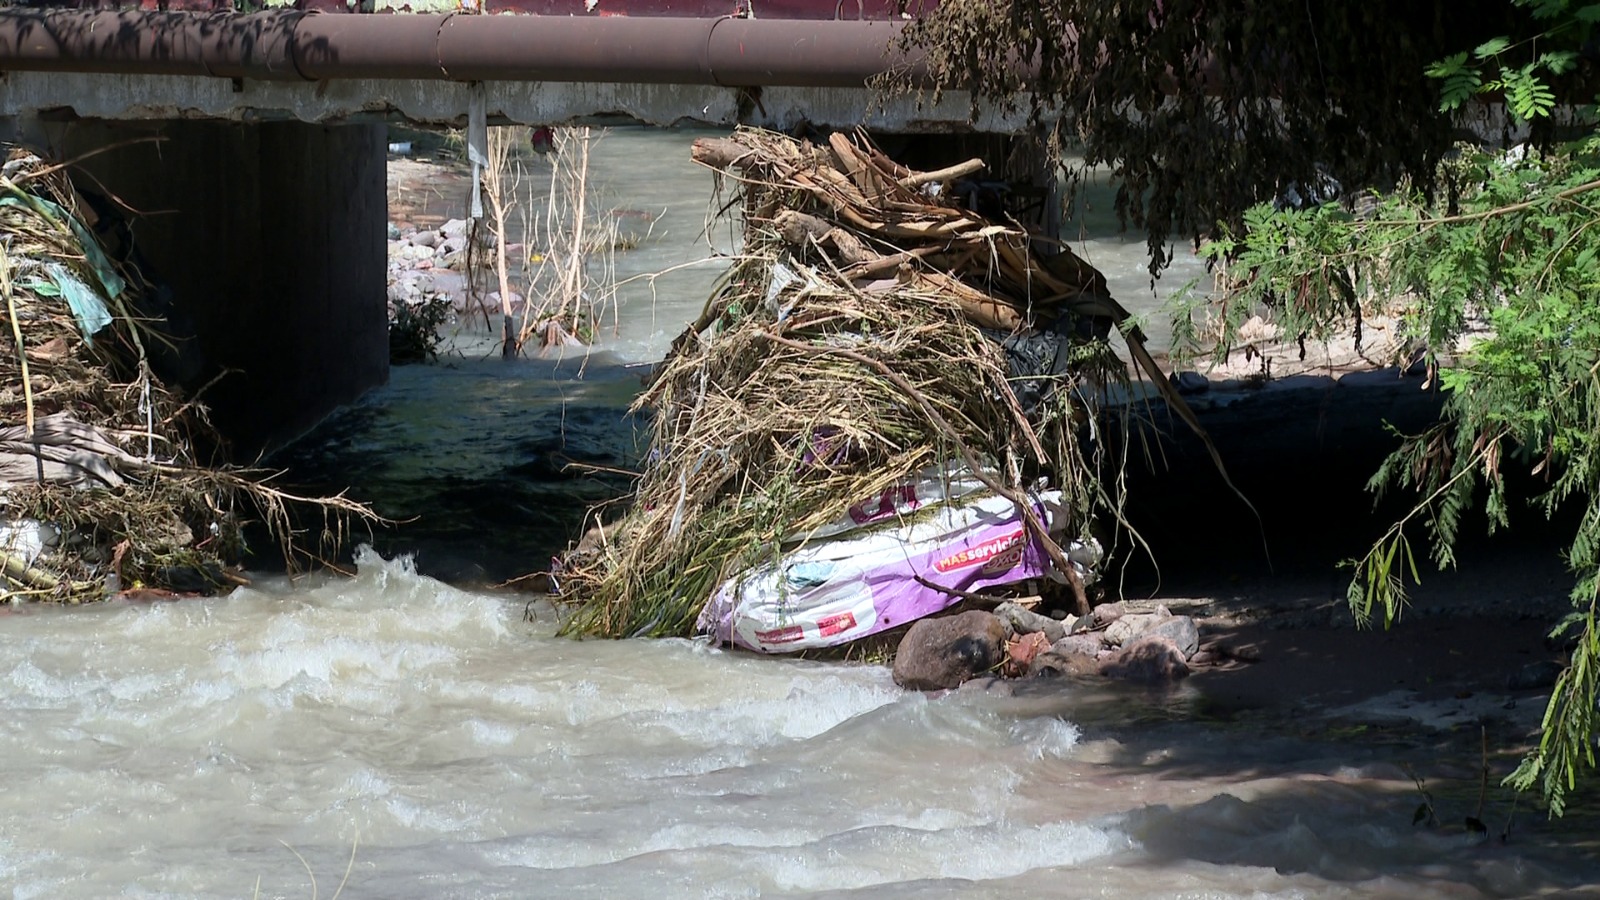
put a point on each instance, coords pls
(272, 238)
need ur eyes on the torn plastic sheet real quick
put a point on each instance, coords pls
(87, 305)
(97, 259)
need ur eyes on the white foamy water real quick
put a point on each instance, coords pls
(190, 749)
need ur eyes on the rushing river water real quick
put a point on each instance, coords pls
(451, 747)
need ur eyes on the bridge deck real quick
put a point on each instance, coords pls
(778, 65)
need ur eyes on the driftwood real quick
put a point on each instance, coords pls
(951, 173)
(798, 228)
(864, 200)
(1000, 278)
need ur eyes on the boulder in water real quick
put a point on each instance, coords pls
(938, 654)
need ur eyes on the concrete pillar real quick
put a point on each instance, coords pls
(272, 239)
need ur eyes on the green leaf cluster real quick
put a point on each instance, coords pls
(1500, 293)
(1502, 300)
(1524, 71)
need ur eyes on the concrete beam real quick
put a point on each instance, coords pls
(443, 103)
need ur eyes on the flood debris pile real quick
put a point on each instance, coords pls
(878, 415)
(100, 490)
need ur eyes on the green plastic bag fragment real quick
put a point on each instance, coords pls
(87, 306)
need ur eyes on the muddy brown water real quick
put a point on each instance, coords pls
(451, 748)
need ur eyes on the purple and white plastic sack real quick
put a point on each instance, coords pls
(831, 592)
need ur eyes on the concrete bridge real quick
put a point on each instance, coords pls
(254, 144)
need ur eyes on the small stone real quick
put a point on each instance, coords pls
(1020, 653)
(1024, 621)
(394, 232)
(938, 654)
(1151, 660)
(1078, 645)
(1054, 665)
(1535, 676)
(454, 228)
(1106, 613)
(1257, 329)
(1190, 383)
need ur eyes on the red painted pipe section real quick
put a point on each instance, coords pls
(290, 45)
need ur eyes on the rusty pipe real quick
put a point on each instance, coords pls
(287, 45)
(752, 53)
(329, 46)
(615, 48)
(224, 45)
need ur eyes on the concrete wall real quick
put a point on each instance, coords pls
(272, 238)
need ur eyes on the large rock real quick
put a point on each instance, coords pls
(1181, 630)
(1150, 660)
(1535, 676)
(937, 654)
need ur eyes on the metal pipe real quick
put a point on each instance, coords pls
(154, 43)
(286, 45)
(617, 48)
(331, 46)
(752, 53)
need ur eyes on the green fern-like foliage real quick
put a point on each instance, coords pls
(1518, 268)
(1527, 69)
